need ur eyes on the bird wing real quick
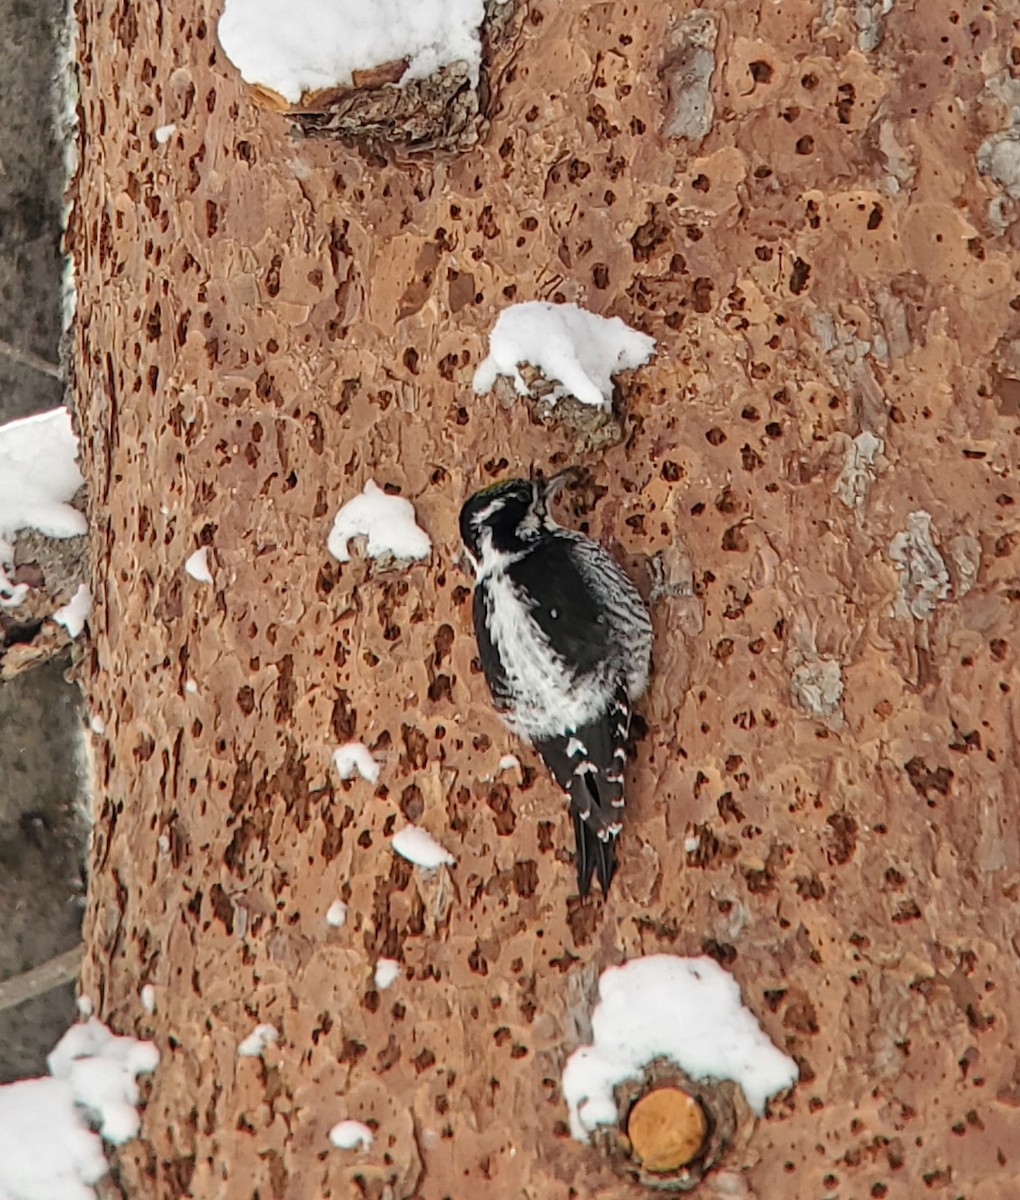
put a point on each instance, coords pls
(629, 626)
(569, 614)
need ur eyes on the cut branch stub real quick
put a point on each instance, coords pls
(667, 1129)
(594, 429)
(444, 111)
(677, 1129)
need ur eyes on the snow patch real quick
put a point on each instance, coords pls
(355, 758)
(101, 1069)
(386, 972)
(508, 762)
(298, 46)
(47, 1149)
(163, 134)
(351, 1135)
(197, 565)
(687, 1010)
(148, 998)
(421, 848)
(574, 349)
(336, 914)
(38, 477)
(388, 522)
(75, 612)
(256, 1041)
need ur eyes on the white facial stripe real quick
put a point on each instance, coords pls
(483, 515)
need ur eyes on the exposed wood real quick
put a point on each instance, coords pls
(666, 1128)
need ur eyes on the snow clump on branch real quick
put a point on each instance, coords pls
(299, 46)
(576, 350)
(39, 477)
(687, 1010)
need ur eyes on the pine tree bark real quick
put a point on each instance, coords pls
(824, 796)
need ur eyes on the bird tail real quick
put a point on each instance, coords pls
(594, 855)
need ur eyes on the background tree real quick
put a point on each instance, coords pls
(821, 457)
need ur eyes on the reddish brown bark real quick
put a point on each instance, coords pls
(263, 324)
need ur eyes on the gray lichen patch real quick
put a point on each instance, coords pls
(869, 16)
(998, 156)
(924, 579)
(859, 469)
(816, 685)
(686, 75)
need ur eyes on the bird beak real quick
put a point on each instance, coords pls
(551, 485)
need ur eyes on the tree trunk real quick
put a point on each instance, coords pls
(825, 796)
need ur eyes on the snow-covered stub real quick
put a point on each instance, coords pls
(421, 848)
(294, 47)
(47, 1148)
(388, 523)
(686, 1010)
(577, 351)
(355, 758)
(39, 477)
(351, 1135)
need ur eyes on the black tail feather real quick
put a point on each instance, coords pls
(593, 856)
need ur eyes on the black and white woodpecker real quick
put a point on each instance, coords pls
(564, 641)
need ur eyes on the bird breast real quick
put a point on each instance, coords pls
(547, 696)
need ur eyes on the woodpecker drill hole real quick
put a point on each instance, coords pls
(667, 1129)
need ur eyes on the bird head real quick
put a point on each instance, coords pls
(504, 518)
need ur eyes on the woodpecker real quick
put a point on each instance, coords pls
(565, 642)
